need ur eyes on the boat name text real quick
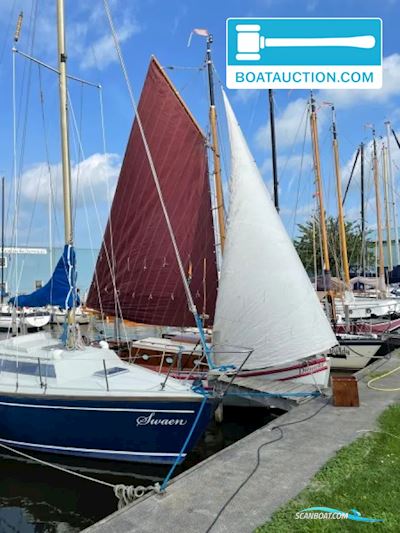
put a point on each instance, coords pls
(153, 421)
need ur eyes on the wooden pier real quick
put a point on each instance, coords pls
(200, 498)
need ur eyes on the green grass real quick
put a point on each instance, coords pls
(364, 475)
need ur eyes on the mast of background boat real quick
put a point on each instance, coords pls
(66, 165)
(273, 148)
(393, 196)
(387, 208)
(215, 148)
(363, 251)
(2, 239)
(341, 223)
(381, 264)
(319, 194)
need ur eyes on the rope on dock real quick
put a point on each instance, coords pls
(125, 494)
(385, 375)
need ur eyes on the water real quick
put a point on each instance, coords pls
(39, 499)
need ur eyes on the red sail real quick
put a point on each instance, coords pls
(149, 286)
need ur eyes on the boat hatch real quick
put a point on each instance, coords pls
(27, 368)
(111, 371)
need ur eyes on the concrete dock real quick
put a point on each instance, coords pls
(194, 499)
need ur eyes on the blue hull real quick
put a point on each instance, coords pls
(148, 431)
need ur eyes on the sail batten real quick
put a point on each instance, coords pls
(265, 302)
(147, 278)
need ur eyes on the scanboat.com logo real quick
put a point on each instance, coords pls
(327, 513)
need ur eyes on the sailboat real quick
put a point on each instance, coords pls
(136, 274)
(20, 318)
(62, 396)
(265, 299)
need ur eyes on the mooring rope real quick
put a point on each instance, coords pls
(125, 494)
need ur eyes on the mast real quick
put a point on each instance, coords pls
(393, 197)
(66, 166)
(342, 227)
(273, 147)
(363, 250)
(2, 240)
(381, 264)
(387, 208)
(319, 194)
(215, 147)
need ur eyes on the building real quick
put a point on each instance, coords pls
(30, 268)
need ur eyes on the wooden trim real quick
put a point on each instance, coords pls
(155, 61)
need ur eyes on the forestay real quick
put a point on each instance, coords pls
(265, 299)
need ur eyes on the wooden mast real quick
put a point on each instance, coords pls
(65, 156)
(215, 147)
(341, 223)
(363, 250)
(387, 208)
(273, 148)
(381, 263)
(393, 198)
(319, 194)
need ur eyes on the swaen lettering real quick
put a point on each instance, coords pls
(153, 421)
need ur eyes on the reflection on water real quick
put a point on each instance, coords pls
(38, 499)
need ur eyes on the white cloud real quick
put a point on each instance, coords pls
(91, 178)
(302, 210)
(353, 97)
(102, 51)
(244, 95)
(289, 126)
(312, 5)
(88, 35)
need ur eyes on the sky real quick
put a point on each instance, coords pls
(162, 28)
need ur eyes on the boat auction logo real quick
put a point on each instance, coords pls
(326, 513)
(304, 53)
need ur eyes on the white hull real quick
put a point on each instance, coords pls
(313, 372)
(367, 307)
(58, 317)
(352, 357)
(28, 318)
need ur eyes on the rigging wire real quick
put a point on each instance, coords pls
(82, 155)
(300, 170)
(189, 296)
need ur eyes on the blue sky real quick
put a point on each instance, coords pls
(162, 28)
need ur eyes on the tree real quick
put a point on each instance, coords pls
(304, 244)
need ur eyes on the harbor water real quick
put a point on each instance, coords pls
(38, 499)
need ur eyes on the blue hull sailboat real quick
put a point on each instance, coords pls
(63, 396)
(87, 402)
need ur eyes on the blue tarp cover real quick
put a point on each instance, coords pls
(60, 290)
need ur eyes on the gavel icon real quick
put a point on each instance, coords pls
(250, 42)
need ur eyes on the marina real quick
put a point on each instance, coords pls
(215, 496)
(200, 284)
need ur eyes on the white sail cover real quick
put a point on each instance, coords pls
(265, 299)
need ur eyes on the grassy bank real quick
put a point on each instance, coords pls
(364, 475)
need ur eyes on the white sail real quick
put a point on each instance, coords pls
(265, 299)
